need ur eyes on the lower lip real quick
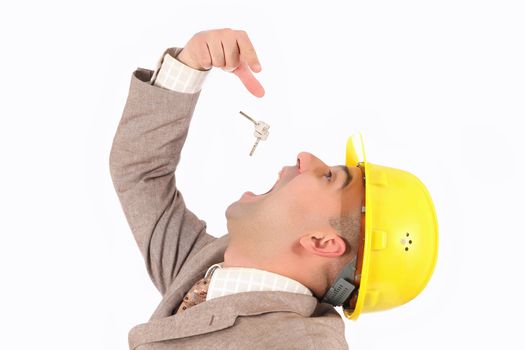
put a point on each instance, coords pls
(248, 196)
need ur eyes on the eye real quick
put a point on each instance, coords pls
(329, 174)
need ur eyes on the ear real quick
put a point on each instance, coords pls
(328, 245)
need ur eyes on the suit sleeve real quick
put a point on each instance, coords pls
(145, 152)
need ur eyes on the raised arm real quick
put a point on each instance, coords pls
(144, 155)
(147, 145)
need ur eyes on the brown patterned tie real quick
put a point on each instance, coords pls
(196, 294)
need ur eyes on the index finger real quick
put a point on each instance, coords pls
(247, 51)
(247, 78)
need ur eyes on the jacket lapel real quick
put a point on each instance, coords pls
(219, 313)
(199, 263)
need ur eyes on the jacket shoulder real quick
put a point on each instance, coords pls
(324, 329)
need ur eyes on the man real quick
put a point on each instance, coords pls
(288, 254)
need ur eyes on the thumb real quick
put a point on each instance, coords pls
(250, 82)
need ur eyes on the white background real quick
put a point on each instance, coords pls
(436, 88)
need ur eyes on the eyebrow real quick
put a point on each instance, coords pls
(348, 176)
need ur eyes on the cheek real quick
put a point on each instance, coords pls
(304, 199)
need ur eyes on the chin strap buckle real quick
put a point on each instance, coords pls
(342, 288)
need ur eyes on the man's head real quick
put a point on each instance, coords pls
(306, 227)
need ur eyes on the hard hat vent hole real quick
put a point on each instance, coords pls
(405, 241)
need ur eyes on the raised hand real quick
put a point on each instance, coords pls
(228, 49)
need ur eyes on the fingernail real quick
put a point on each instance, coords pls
(257, 66)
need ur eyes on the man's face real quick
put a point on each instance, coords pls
(301, 201)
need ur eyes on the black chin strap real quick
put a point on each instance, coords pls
(342, 288)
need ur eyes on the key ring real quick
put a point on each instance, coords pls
(261, 131)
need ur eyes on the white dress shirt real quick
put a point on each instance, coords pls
(230, 280)
(172, 74)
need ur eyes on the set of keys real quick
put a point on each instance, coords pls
(261, 130)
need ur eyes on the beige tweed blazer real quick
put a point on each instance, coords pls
(177, 250)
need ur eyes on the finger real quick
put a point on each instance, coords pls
(250, 82)
(216, 52)
(203, 56)
(248, 52)
(231, 53)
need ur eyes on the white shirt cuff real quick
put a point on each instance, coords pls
(172, 74)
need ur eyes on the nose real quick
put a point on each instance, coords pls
(307, 161)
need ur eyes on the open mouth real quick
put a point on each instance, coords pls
(270, 190)
(252, 195)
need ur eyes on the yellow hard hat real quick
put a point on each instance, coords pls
(398, 252)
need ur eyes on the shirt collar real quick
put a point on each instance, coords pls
(231, 280)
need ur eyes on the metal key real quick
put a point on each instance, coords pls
(261, 131)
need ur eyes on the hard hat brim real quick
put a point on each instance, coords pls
(356, 155)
